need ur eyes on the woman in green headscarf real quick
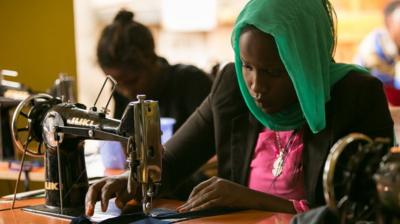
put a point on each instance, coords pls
(272, 117)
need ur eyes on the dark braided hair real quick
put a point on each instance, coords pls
(125, 43)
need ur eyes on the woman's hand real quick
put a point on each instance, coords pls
(105, 189)
(218, 192)
(215, 192)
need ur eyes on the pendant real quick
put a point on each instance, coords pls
(278, 165)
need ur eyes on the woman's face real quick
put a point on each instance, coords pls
(131, 83)
(264, 73)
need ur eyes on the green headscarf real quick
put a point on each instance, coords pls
(304, 39)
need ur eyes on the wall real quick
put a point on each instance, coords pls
(90, 77)
(37, 40)
(356, 18)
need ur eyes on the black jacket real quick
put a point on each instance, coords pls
(184, 87)
(223, 125)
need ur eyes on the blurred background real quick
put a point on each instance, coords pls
(42, 38)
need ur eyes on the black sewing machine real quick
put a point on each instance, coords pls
(44, 125)
(361, 180)
(12, 93)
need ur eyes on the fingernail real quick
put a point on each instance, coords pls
(89, 210)
(181, 210)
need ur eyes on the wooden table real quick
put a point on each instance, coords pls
(17, 216)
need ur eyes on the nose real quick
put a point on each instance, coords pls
(257, 83)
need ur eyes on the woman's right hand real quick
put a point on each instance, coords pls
(105, 189)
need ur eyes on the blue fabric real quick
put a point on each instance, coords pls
(80, 220)
(159, 216)
(150, 220)
(320, 215)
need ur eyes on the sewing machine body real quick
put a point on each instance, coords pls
(61, 127)
(65, 126)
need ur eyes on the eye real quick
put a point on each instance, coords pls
(247, 67)
(277, 72)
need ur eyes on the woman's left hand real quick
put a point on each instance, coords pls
(215, 192)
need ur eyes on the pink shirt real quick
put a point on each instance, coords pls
(289, 185)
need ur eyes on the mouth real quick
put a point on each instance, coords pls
(268, 108)
(261, 103)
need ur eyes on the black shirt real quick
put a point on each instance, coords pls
(184, 88)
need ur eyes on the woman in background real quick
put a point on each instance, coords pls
(379, 51)
(126, 52)
(271, 117)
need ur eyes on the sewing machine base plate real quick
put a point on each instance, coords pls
(68, 213)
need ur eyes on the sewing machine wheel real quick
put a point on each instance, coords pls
(23, 127)
(348, 182)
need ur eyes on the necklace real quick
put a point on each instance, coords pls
(280, 159)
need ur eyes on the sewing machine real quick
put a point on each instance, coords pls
(361, 180)
(64, 88)
(11, 93)
(44, 125)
